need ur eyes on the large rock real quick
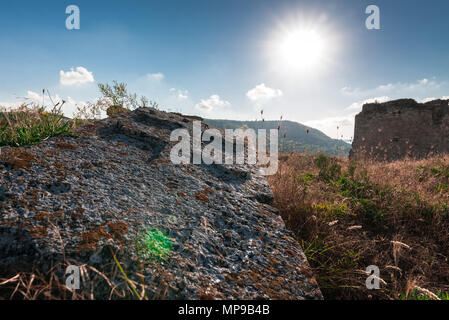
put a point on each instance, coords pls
(401, 128)
(79, 200)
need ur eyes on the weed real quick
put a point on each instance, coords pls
(351, 214)
(423, 295)
(30, 124)
(153, 245)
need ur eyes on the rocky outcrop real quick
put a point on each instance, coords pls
(182, 231)
(401, 128)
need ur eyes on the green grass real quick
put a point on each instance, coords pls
(28, 126)
(333, 211)
(440, 170)
(416, 295)
(354, 214)
(153, 245)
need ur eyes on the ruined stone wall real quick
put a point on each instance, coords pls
(401, 128)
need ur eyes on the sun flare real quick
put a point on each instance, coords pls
(301, 49)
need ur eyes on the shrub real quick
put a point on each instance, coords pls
(115, 110)
(115, 99)
(119, 96)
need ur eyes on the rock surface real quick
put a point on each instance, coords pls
(76, 198)
(401, 128)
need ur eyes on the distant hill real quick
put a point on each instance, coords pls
(298, 138)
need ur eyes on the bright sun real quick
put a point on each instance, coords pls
(301, 49)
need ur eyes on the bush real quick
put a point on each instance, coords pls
(119, 96)
(115, 110)
(115, 99)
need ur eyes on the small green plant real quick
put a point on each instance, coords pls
(153, 245)
(440, 170)
(417, 295)
(333, 211)
(115, 99)
(351, 169)
(304, 180)
(442, 188)
(118, 96)
(329, 170)
(30, 124)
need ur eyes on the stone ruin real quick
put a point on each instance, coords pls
(401, 128)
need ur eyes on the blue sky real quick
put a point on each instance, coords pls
(221, 59)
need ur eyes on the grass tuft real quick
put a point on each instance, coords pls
(31, 124)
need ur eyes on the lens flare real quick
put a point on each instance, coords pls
(302, 49)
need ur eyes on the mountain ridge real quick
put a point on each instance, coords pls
(298, 137)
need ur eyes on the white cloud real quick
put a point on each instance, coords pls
(359, 104)
(9, 105)
(30, 98)
(69, 107)
(345, 125)
(427, 99)
(183, 95)
(39, 99)
(35, 97)
(180, 94)
(433, 98)
(404, 89)
(348, 90)
(423, 81)
(213, 102)
(262, 92)
(420, 84)
(155, 76)
(76, 77)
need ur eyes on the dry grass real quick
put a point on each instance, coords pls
(112, 282)
(30, 124)
(35, 285)
(348, 216)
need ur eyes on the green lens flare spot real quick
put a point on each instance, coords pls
(172, 220)
(153, 245)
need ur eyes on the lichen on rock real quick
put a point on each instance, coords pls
(85, 199)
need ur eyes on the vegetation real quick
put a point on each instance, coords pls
(119, 96)
(348, 216)
(30, 124)
(115, 99)
(153, 245)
